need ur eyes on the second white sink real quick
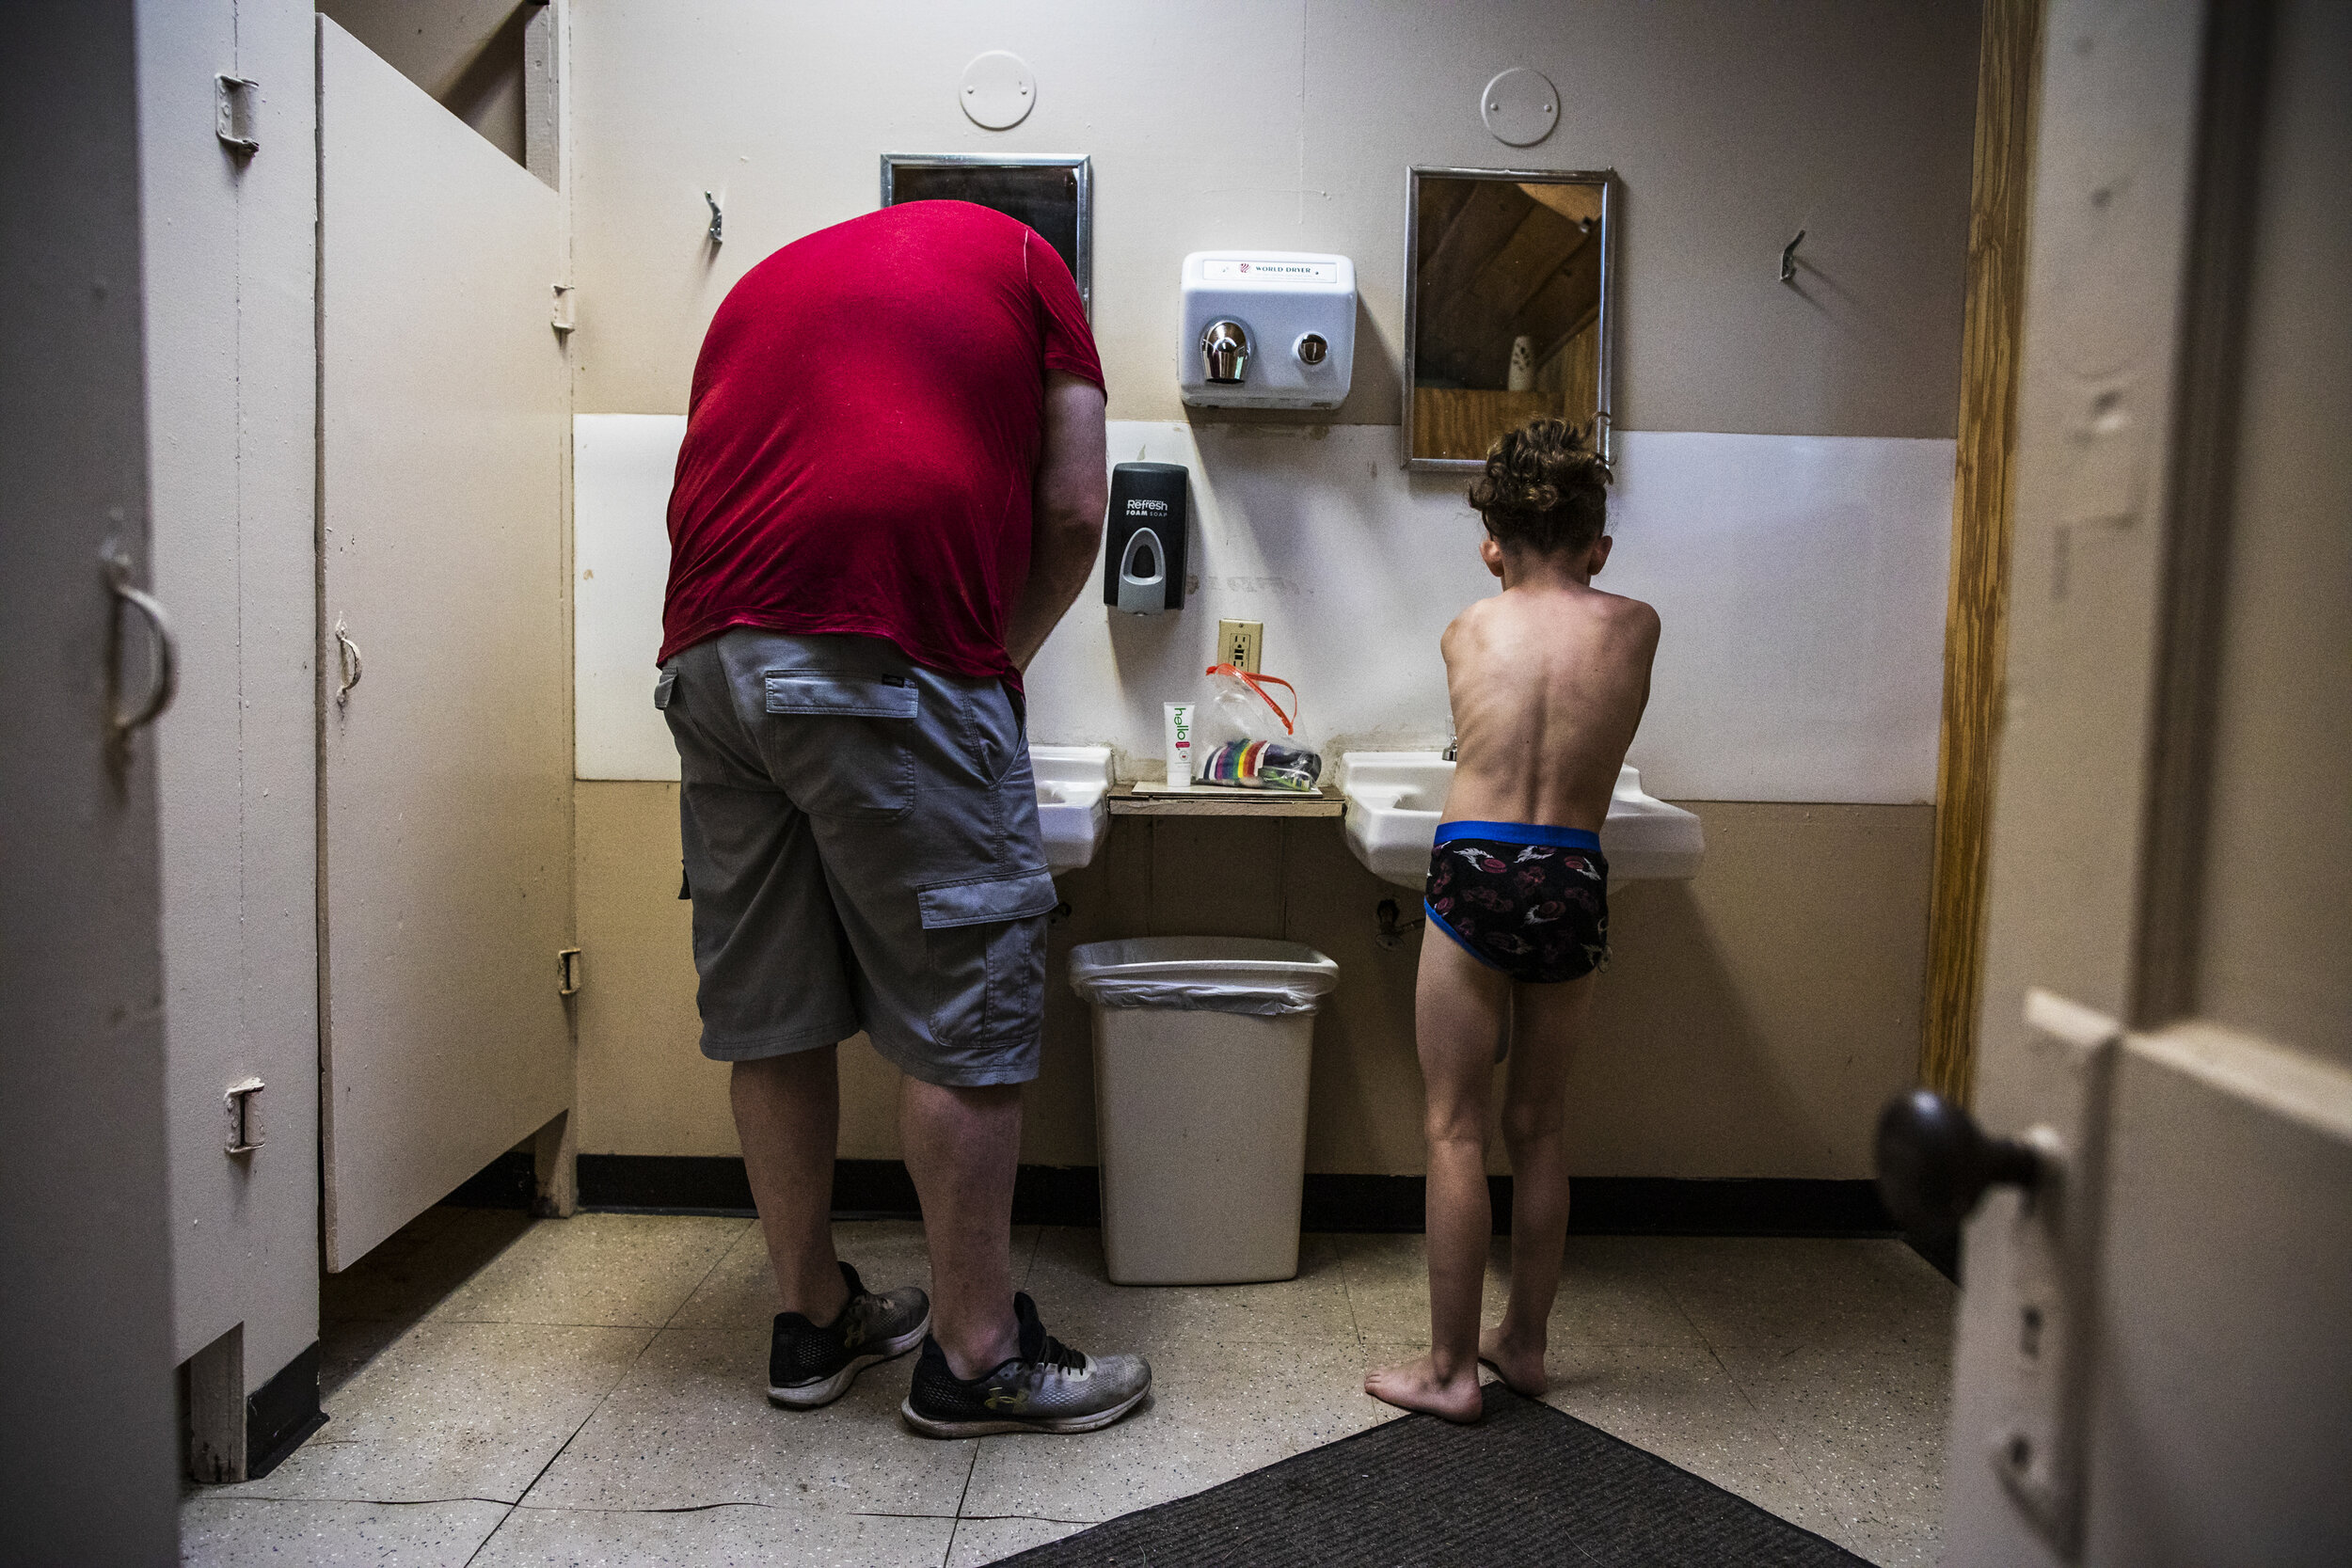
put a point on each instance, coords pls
(1394, 800)
(1072, 781)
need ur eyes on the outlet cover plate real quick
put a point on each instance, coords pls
(1240, 643)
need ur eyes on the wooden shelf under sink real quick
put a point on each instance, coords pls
(1125, 801)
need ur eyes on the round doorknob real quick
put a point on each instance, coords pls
(1934, 1161)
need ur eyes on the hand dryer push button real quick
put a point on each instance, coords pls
(1143, 549)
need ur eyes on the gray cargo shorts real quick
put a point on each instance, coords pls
(862, 847)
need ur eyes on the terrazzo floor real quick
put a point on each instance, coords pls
(505, 1392)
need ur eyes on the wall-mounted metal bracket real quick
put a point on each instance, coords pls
(567, 976)
(562, 320)
(244, 1102)
(1789, 257)
(233, 103)
(718, 220)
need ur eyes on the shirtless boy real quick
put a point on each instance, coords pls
(1547, 679)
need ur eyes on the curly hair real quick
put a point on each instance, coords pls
(1542, 489)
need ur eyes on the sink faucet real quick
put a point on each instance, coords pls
(1453, 751)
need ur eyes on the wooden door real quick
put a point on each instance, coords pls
(2155, 1355)
(444, 698)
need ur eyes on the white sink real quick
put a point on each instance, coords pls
(1072, 781)
(1394, 800)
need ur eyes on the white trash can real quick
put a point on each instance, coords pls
(1201, 1046)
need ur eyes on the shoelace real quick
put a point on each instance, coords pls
(1056, 1354)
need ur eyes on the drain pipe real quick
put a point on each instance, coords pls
(1390, 931)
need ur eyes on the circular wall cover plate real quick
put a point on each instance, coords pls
(1520, 106)
(997, 90)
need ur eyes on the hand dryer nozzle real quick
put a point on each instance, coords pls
(1224, 352)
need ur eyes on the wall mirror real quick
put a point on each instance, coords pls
(1506, 307)
(1052, 195)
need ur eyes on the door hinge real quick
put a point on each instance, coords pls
(232, 114)
(562, 320)
(567, 976)
(243, 1101)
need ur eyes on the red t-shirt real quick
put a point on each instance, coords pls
(863, 433)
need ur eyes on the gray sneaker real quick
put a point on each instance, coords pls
(1047, 1387)
(809, 1364)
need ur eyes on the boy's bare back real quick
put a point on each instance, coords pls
(1549, 679)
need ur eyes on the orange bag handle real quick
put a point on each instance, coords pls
(1259, 684)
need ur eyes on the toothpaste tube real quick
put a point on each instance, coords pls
(1179, 720)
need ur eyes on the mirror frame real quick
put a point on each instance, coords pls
(1082, 162)
(1605, 316)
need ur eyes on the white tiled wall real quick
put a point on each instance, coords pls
(1800, 580)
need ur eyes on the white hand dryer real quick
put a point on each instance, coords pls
(1266, 329)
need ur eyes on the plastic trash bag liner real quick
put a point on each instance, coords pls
(1214, 974)
(1244, 741)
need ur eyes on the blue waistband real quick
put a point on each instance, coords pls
(1519, 832)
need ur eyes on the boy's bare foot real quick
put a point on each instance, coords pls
(1520, 1367)
(1416, 1386)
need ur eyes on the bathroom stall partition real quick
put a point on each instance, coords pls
(444, 700)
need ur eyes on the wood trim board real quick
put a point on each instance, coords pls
(1976, 636)
(1210, 800)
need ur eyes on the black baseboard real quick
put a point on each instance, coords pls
(1624, 1206)
(1941, 1248)
(281, 1413)
(861, 1189)
(1069, 1195)
(668, 1183)
(509, 1181)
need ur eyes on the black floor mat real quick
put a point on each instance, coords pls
(1526, 1485)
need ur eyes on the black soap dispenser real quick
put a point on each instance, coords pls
(1143, 539)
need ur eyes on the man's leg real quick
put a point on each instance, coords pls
(788, 1114)
(1459, 1011)
(1549, 1023)
(962, 1148)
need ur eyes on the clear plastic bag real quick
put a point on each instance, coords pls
(1244, 739)
(1207, 975)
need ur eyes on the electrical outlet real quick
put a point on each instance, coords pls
(1240, 643)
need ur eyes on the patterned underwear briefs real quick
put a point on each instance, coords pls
(1532, 902)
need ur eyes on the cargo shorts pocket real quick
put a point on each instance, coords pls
(993, 740)
(985, 941)
(859, 761)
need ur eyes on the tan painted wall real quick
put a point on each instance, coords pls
(1253, 122)
(1751, 1024)
(1758, 1017)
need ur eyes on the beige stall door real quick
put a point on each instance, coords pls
(2155, 1355)
(446, 757)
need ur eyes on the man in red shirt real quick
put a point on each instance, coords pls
(891, 487)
